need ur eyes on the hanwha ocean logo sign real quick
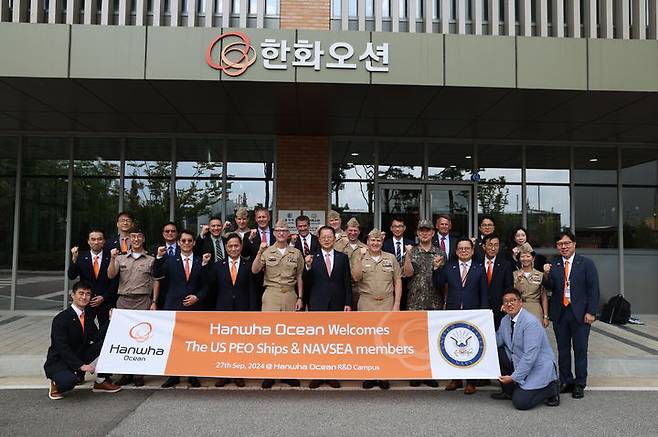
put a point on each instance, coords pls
(141, 332)
(461, 344)
(234, 57)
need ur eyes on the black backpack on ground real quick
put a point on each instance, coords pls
(617, 311)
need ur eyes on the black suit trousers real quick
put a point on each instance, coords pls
(523, 399)
(67, 379)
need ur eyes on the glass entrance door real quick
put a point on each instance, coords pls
(455, 201)
(404, 201)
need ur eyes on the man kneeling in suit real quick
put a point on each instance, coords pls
(527, 363)
(75, 343)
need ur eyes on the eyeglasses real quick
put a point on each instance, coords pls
(125, 220)
(511, 301)
(281, 230)
(169, 230)
(487, 225)
(564, 243)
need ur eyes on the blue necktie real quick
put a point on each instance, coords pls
(171, 251)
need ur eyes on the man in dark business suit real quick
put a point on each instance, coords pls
(397, 245)
(211, 241)
(466, 290)
(233, 284)
(75, 343)
(187, 288)
(498, 271)
(262, 234)
(329, 280)
(91, 266)
(121, 241)
(443, 239)
(170, 236)
(305, 242)
(575, 284)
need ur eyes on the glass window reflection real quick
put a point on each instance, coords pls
(639, 166)
(450, 162)
(595, 165)
(499, 163)
(549, 212)
(46, 156)
(549, 164)
(640, 217)
(199, 158)
(197, 201)
(596, 216)
(250, 159)
(148, 157)
(353, 160)
(401, 160)
(97, 156)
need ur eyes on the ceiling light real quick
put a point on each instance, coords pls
(468, 156)
(354, 154)
(594, 160)
(453, 166)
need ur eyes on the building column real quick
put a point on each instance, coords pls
(302, 173)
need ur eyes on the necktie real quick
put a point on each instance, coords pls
(489, 271)
(565, 299)
(443, 244)
(234, 271)
(124, 245)
(464, 273)
(398, 252)
(219, 253)
(96, 266)
(327, 261)
(187, 268)
(263, 237)
(171, 251)
(512, 335)
(307, 250)
(82, 321)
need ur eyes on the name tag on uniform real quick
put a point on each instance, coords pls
(367, 265)
(387, 263)
(272, 258)
(292, 259)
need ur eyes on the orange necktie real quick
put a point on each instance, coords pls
(187, 268)
(96, 266)
(124, 245)
(565, 299)
(82, 321)
(234, 271)
(489, 271)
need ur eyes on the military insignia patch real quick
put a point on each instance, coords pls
(461, 344)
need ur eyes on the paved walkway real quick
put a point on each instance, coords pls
(619, 356)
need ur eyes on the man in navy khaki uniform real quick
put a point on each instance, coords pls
(75, 343)
(527, 364)
(575, 299)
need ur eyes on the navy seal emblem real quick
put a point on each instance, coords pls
(461, 344)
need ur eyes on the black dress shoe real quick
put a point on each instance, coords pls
(431, 383)
(501, 396)
(267, 383)
(170, 382)
(221, 382)
(553, 401)
(291, 382)
(384, 385)
(578, 392)
(316, 383)
(333, 383)
(566, 388)
(239, 382)
(368, 384)
(139, 381)
(194, 381)
(125, 380)
(414, 383)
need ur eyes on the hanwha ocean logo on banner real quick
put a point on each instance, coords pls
(137, 339)
(339, 345)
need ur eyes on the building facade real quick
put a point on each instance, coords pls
(541, 113)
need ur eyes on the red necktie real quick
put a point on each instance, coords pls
(307, 250)
(263, 237)
(489, 272)
(96, 266)
(565, 299)
(443, 244)
(187, 268)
